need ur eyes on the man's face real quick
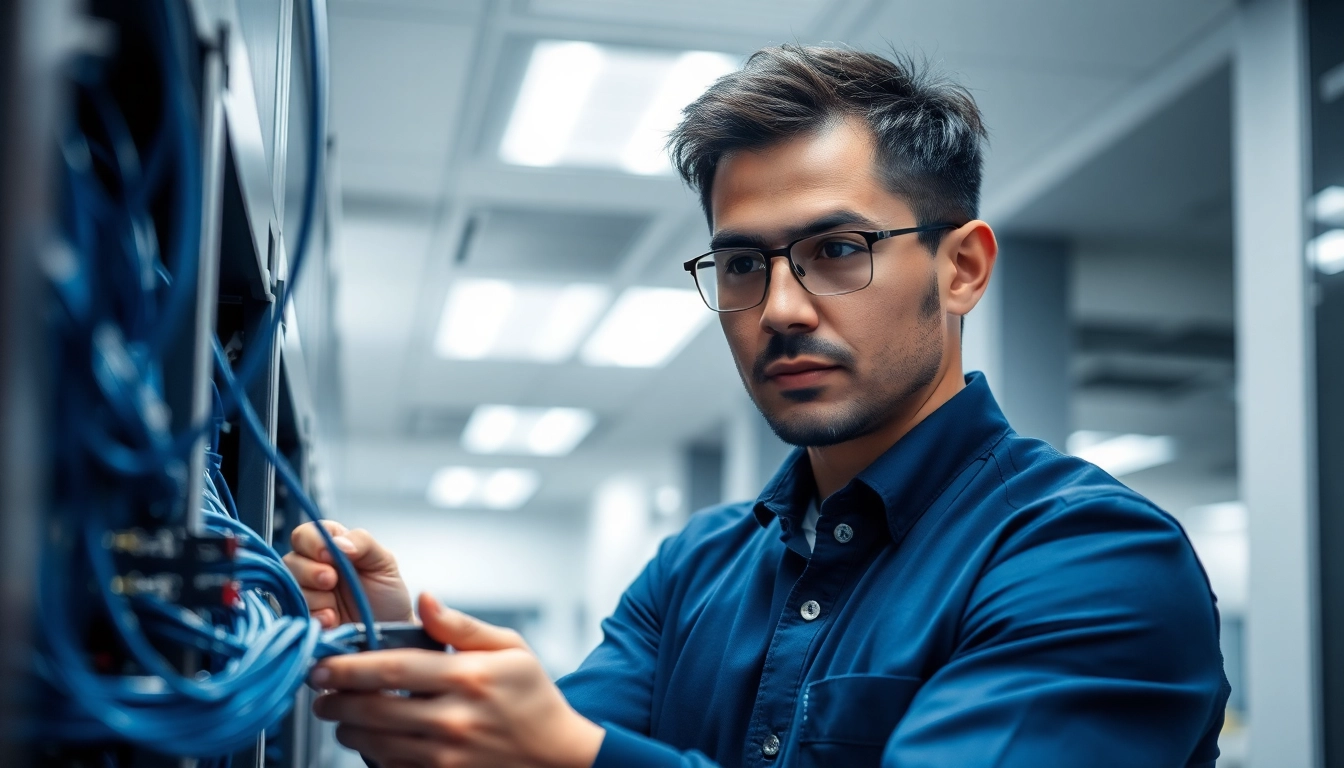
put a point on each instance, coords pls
(827, 369)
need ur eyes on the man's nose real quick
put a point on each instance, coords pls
(788, 306)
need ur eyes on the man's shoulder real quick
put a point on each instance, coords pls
(723, 528)
(1036, 478)
(1060, 507)
(732, 519)
(1061, 501)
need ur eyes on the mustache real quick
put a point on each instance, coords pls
(783, 347)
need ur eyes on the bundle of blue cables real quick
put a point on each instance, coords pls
(196, 681)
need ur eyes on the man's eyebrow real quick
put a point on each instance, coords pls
(727, 238)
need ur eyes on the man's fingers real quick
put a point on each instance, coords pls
(400, 669)
(309, 573)
(320, 598)
(395, 750)
(365, 552)
(382, 711)
(307, 541)
(463, 632)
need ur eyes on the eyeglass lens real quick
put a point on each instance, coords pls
(826, 265)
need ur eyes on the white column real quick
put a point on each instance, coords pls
(751, 453)
(1033, 336)
(741, 464)
(620, 541)
(1019, 336)
(981, 342)
(1274, 374)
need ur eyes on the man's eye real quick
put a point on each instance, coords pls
(839, 249)
(742, 265)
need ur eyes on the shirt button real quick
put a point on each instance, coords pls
(770, 747)
(810, 610)
(843, 533)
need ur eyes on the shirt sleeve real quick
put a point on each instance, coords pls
(613, 687)
(1091, 639)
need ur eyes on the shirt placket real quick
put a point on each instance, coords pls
(806, 613)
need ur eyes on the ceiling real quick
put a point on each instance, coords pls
(420, 93)
(1169, 179)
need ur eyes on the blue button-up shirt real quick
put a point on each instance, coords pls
(992, 603)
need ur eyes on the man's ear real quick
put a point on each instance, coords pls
(971, 252)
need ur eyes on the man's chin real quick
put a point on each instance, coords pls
(816, 427)
(804, 395)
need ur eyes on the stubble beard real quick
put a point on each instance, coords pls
(897, 377)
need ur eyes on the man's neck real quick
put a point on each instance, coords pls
(833, 466)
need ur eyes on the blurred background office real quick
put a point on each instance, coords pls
(531, 395)
(523, 394)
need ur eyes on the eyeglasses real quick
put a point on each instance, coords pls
(829, 264)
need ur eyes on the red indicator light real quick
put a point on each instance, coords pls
(231, 594)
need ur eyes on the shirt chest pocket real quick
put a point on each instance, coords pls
(848, 719)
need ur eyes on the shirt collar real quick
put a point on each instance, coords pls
(911, 474)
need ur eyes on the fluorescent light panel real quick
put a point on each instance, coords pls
(533, 431)
(505, 488)
(1328, 206)
(603, 106)
(1122, 454)
(1326, 252)
(502, 320)
(646, 328)
(555, 91)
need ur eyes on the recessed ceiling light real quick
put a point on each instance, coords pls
(1328, 206)
(536, 431)
(559, 430)
(473, 318)
(501, 320)
(1122, 454)
(646, 327)
(453, 486)
(689, 76)
(554, 94)
(507, 488)
(604, 106)
(490, 428)
(1326, 252)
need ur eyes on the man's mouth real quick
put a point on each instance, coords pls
(795, 374)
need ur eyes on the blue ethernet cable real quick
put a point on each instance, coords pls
(254, 657)
(291, 480)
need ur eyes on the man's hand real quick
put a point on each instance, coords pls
(488, 704)
(330, 601)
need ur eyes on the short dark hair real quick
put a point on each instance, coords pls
(927, 128)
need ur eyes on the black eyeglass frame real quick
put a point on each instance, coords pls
(870, 236)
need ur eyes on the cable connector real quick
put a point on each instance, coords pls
(169, 544)
(396, 634)
(192, 571)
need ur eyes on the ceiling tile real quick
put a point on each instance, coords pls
(378, 266)
(514, 241)
(768, 16)
(396, 89)
(1127, 37)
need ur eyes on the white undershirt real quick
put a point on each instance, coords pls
(809, 525)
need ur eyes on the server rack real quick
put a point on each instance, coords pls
(256, 133)
(29, 78)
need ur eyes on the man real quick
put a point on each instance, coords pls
(918, 585)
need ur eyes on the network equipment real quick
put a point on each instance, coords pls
(167, 626)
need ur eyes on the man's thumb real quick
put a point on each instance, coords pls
(463, 632)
